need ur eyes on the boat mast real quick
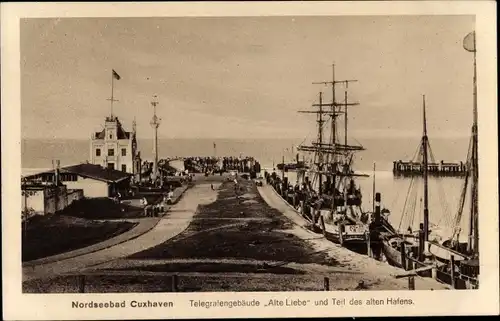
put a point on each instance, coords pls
(334, 114)
(320, 142)
(329, 149)
(425, 167)
(334, 123)
(346, 150)
(473, 244)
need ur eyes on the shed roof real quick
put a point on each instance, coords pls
(96, 172)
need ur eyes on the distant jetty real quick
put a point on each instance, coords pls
(442, 168)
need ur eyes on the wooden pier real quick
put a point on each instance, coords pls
(401, 168)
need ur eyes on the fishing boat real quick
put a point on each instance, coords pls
(464, 256)
(398, 245)
(457, 263)
(332, 201)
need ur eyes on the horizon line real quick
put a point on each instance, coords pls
(249, 138)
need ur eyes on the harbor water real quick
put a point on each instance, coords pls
(444, 192)
(406, 204)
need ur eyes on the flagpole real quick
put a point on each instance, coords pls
(112, 98)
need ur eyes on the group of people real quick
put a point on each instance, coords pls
(155, 209)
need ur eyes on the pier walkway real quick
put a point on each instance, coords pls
(174, 222)
(371, 269)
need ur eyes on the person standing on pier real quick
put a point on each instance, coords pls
(144, 203)
(170, 196)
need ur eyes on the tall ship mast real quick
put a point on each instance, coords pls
(333, 197)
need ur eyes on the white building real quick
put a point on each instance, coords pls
(115, 148)
(43, 199)
(94, 180)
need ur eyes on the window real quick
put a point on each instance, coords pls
(124, 168)
(110, 136)
(111, 152)
(98, 152)
(124, 152)
(111, 165)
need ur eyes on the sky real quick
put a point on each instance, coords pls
(245, 77)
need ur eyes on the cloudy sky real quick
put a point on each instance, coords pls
(244, 77)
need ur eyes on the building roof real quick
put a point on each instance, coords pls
(85, 170)
(96, 172)
(120, 132)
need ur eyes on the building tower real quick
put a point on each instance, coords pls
(113, 147)
(155, 123)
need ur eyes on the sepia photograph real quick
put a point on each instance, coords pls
(234, 154)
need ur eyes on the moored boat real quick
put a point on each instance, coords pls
(326, 193)
(454, 262)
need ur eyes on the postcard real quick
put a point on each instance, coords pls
(232, 159)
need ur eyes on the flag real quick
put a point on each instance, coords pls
(116, 75)
(470, 42)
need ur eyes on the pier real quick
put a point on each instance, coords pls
(401, 168)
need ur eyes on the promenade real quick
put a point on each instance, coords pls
(159, 230)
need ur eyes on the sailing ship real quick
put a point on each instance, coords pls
(465, 255)
(454, 261)
(329, 190)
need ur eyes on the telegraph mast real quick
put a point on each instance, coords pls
(155, 123)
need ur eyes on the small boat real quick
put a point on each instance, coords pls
(290, 166)
(396, 244)
(392, 248)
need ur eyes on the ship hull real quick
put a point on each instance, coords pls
(391, 248)
(353, 237)
(443, 253)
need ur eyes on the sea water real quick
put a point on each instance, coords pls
(444, 193)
